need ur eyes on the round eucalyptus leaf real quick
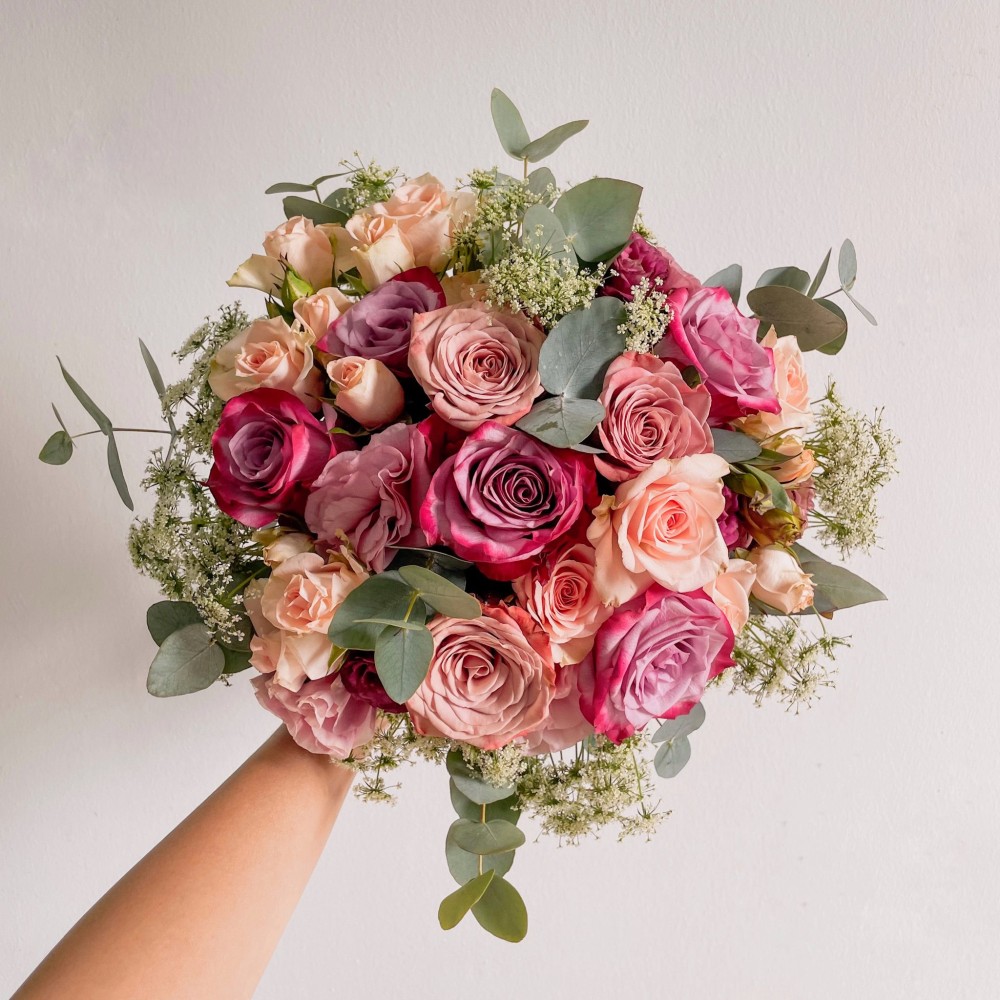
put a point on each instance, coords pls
(57, 450)
(598, 216)
(189, 660)
(734, 446)
(166, 617)
(381, 596)
(578, 350)
(455, 906)
(496, 836)
(847, 265)
(730, 278)
(402, 657)
(502, 912)
(794, 314)
(538, 149)
(507, 808)
(464, 866)
(472, 784)
(562, 421)
(442, 595)
(683, 725)
(509, 124)
(671, 758)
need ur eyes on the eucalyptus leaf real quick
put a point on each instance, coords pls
(580, 347)
(861, 309)
(464, 866)
(538, 149)
(507, 808)
(329, 177)
(314, 210)
(779, 495)
(847, 265)
(598, 216)
(165, 617)
(454, 907)
(835, 346)
(836, 587)
(502, 912)
(793, 314)
(154, 373)
(411, 626)
(671, 758)
(59, 418)
(788, 277)
(509, 124)
(58, 449)
(442, 595)
(562, 421)
(437, 555)
(100, 418)
(820, 274)
(730, 278)
(496, 836)
(189, 660)
(236, 660)
(402, 657)
(540, 181)
(341, 200)
(289, 187)
(541, 227)
(117, 476)
(734, 446)
(379, 596)
(683, 725)
(472, 784)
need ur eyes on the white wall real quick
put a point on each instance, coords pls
(850, 851)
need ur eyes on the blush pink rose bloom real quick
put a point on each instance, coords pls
(366, 391)
(730, 591)
(652, 660)
(476, 363)
(372, 495)
(641, 259)
(374, 245)
(503, 497)
(316, 312)
(490, 679)
(661, 526)
(559, 593)
(292, 658)
(566, 724)
(780, 582)
(708, 332)
(650, 413)
(791, 384)
(268, 353)
(305, 247)
(322, 716)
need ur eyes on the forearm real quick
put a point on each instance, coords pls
(200, 915)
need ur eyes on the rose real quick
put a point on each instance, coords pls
(361, 679)
(780, 581)
(662, 526)
(268, 353)
(503, 497)
(375, 245)
(650, 413)
(366, 391)
(641, 259)
(652, 660)
(322, 716)
(291, 658)
(730, 591)
(709, 332)
(559, 593)
(466, 286)
(305, 247)
(734, 532)
(771, 525)
(476, 363)
(378, 326)
(268, 449)
(565, 724)
(316, 312)
(371, 496)
(798, 467)
(791, 385)
(490, 679)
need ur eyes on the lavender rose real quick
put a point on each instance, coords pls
(641, 259)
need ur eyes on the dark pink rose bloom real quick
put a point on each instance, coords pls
(652, 660)
(268, 449)
(503, 497)
(734, 531)
(650, 413)
(358, 674)
(322, 716)
(372, 495)
(641, 259)
(378, 325)
(710, 333)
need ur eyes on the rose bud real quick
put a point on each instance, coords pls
(366, 390)
(774, 526)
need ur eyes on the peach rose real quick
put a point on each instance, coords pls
(366, 391)
(292, 658)
(279, 544)
(559, 594)
(730, 591)
(780, 582)
(792, 387)
(800, 465)
(263, 274)
(305, 247)
(565, 724)
(268, 353)
(490, 680)
(466, 286)
(476, 363)
(375, 245)
(661, 526)
(317, 311)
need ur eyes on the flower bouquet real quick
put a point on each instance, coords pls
(497, 483)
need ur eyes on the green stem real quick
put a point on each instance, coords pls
(125, 430)
(482, 819)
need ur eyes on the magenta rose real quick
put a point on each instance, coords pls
(378, 325)
(710, 333)
(359, 676)
(372, 495)
(641, 259)
(650, 413)
(734, 531)
(268, 449)
(322, 716)
(652, 660)
(503, 497)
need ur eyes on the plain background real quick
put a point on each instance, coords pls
(847, 851)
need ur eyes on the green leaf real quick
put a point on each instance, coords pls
(540, 180)
(835, 346)
(861, 309)
(502, 912)
(836, 587)
(820, 274)
(442, 595)
(378, 597)
(60, 419)
(235, 659)
(411, 626)
(341, 200)
(730, 278)
(464, 866)
(509, 124)
(189, 660)
(734, 446)
(847, 265)
(315, 210)
(288, 187)
(85, 401)
(154, 373)
(779, 495)
(402, 657)
(472, 784)
(562, 421)
(166, 617)
(788, 277)
(117, 476)
(57, 450)
(671, 758)
(329, 177)
(507, 808)
(683, 725)
(793, 314)
(577, 352)
(496, 836)
(598, 215)
(541, 227)
(438, 555)
(454, 907)
(538, 149)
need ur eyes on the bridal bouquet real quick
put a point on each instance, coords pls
(496, 482)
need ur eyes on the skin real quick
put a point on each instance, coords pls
(200, 915)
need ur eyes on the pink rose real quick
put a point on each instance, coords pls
(490, 680)
(366, 391)
(322, 717)
(268, 353)
(503, 497)
(268, 449)
(780, 582)
(565, 725)
(372, 495)
(791, 384)
(661, 526)
(641, 259)
(316, 312)
(652, 660)
(650, 413)
(710, 333)
(305, 248)
(476, 363)
(730, 591)
(559, 593)
(374, 245)
(734, 531)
